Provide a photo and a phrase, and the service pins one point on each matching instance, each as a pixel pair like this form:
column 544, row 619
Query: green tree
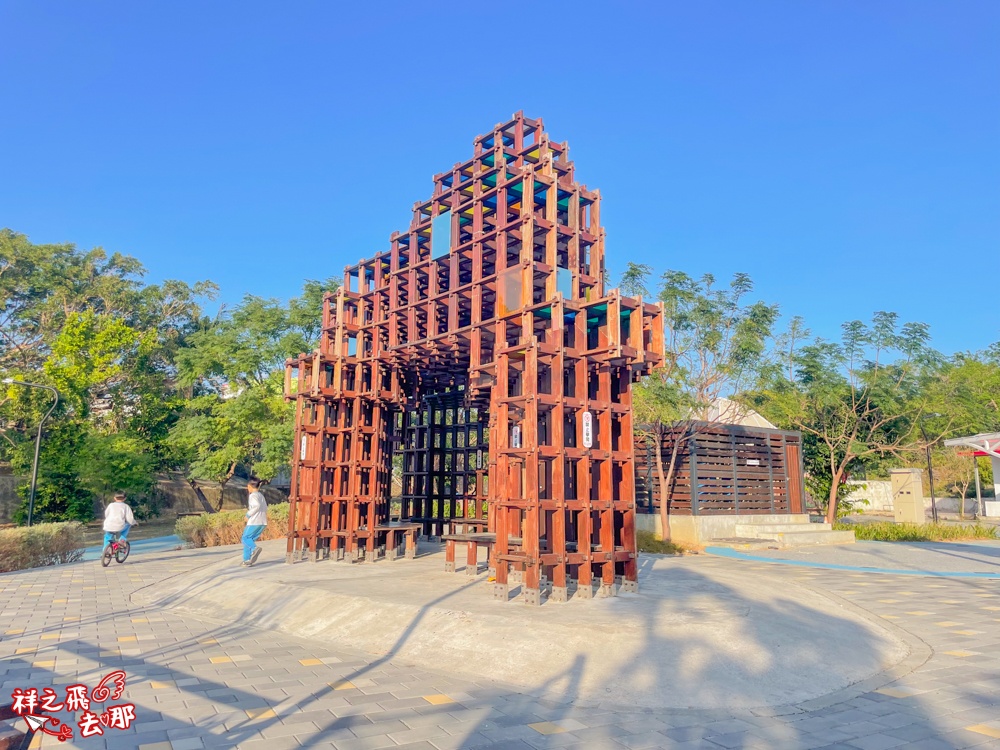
column 85, row 323
column 855, row 400
column 715, row 344
column 236, row 366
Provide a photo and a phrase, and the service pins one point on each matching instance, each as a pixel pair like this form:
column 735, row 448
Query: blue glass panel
column 352, row 346
column 441, row 235
column 564, row 282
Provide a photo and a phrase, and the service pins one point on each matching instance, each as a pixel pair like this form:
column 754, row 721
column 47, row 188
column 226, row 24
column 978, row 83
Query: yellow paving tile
column 438, row 700
column 143, row 619
column 967, row 632
column 919, row 613
column 220, row 660
column 989, row 609
column 58, row 601
column 126, row 638
column 71, row 619
column 261, row 713
column 947, row 624
column 342, row 685
column 50, row 637
column 961, row 653
column 25, row 650
column 546, row 727
column 45, row 663
column 157, row 685
column 208, row 641
column 989, row 731
column 884, row 601
column 18, row 632
column 312, row 662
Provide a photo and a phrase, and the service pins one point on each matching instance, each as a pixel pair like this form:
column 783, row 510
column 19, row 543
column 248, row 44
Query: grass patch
column 884, row 531
column 647, row 541
column 41, row 544
column 226, row 527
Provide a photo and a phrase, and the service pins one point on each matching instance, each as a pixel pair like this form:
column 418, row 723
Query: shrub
column 42, row 544
column 885, row 531
column 226, row 527
column 647, row 541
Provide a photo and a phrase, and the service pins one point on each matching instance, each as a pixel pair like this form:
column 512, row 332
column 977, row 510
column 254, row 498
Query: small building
column 724, row 473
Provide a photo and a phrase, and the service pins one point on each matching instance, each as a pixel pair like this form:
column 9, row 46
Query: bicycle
column 118, row 549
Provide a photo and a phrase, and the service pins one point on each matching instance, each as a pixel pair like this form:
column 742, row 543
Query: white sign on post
column 588, row 430
column 302, row 449
column 515, row 437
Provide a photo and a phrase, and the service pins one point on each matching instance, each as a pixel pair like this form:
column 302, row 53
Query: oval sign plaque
column 588, row 430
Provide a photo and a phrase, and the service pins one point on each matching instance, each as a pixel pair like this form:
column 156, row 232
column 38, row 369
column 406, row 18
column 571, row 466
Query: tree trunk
column 223, row 483
column 831, row 508
column 201, row 496
column 674, row 450
column 222, row 495
column 664, row 491
column 961, row 499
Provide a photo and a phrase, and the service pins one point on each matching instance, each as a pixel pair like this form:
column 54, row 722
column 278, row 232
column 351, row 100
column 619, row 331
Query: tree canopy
column 148, row 381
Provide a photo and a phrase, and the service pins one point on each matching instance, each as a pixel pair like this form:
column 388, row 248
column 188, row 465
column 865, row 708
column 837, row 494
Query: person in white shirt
column 118, row 519
column 256, row 517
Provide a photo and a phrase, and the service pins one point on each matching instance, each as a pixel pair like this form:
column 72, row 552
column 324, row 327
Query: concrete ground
column 695, row 636
column 974, row 559
column 197, row 682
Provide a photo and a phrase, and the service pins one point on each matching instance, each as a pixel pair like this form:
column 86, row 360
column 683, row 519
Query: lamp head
column 8, row 381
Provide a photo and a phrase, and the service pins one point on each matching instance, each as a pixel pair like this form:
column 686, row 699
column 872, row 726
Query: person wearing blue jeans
column 256, row 517
column 118, row 519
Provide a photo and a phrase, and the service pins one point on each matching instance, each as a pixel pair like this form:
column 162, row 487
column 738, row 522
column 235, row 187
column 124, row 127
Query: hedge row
column 226, row 527
column 42, row 544
column 886, row 531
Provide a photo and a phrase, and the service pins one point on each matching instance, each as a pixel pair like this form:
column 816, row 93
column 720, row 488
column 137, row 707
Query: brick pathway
column 198, row 684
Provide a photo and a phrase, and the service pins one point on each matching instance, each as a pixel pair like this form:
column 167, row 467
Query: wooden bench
column 395, row 533
column 466, row 526
column 473, row 542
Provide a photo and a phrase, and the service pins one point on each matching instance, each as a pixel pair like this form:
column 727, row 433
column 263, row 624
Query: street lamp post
column 38, row 439
column 930, row 466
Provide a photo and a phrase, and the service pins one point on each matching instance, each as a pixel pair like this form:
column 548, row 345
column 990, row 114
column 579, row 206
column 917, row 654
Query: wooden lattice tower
column 489, row 313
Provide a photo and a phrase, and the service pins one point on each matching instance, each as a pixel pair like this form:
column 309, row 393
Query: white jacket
column 256, row 510
column 117, row 515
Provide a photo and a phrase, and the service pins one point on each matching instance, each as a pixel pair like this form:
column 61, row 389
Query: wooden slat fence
column 722, row 469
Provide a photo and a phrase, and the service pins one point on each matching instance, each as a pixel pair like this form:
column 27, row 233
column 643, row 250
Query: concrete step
column 789, row 535
column 746, row 544
column 816, row 537
column 767, row 529
column 787, row 519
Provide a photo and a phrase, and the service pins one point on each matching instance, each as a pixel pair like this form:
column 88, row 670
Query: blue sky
column 844, row 154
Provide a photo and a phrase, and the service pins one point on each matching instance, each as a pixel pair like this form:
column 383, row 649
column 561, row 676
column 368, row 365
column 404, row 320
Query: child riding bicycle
column 118, row 519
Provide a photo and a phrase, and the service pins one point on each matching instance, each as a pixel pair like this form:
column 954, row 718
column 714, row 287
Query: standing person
column 256, row 516
column 118, row 519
